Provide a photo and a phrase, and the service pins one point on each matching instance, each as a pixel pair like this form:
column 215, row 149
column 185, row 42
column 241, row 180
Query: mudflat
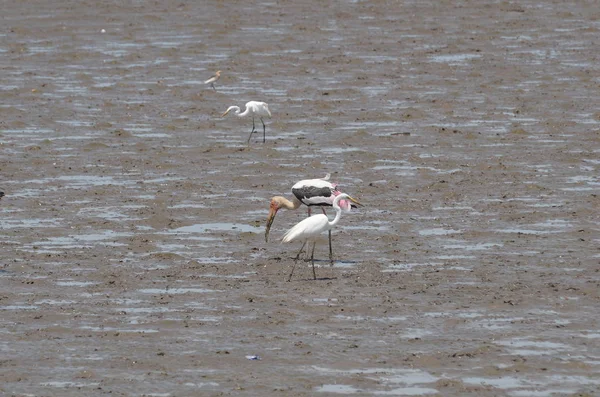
column 132, row 252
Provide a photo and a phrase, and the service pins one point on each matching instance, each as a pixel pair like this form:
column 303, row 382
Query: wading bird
column 309, row 229
column 254, row 109
column 310, row 192
column 213, row 80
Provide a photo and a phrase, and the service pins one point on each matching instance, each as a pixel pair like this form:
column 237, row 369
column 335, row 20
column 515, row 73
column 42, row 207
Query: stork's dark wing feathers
column 311, row 195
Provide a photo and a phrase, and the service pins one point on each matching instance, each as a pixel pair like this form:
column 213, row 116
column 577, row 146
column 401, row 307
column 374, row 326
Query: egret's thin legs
column 251, row 132
column 312, row 258
column 296, row 260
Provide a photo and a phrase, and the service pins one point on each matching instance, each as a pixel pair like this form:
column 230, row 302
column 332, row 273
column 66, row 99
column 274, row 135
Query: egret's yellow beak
column 355, row 201
column 225, row 114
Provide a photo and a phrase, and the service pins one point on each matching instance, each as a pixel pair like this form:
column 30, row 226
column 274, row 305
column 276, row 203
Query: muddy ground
column 132, row 250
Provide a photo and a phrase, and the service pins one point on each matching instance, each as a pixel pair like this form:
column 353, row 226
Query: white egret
column 213, row 79
column 254, row 109
column 309, row 229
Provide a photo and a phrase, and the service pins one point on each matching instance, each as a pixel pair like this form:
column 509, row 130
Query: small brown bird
column 213, row 79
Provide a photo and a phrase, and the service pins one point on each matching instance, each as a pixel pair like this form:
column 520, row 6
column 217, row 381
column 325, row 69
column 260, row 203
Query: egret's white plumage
column 310, row 228
column 254, row 109
column 213, row 79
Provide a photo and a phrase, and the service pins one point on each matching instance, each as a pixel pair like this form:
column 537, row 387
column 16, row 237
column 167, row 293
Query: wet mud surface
column 133, row 259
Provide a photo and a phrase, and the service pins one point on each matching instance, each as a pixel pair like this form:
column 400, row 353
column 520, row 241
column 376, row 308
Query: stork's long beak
column 270, row 220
